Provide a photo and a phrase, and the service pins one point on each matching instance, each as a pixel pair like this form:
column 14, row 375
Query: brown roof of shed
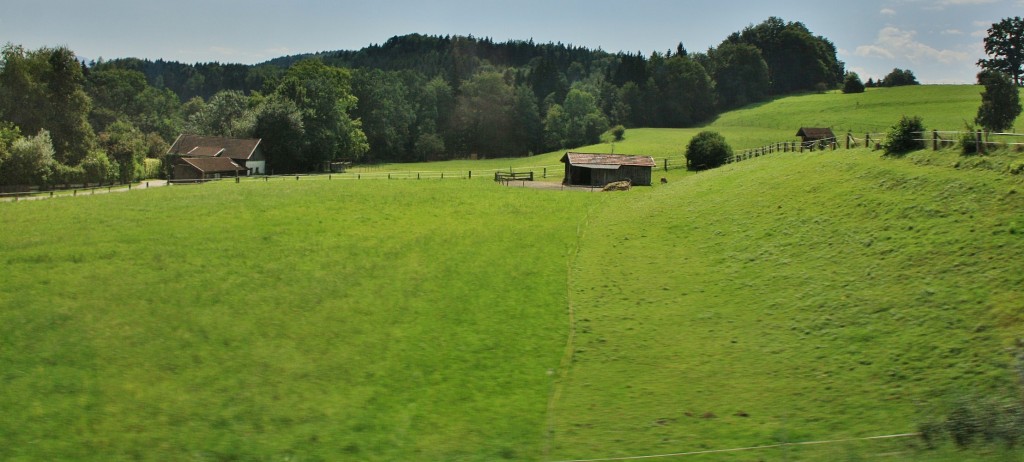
column 815, row 133
column 214, row 146
column 607, row 160
column 213, row 164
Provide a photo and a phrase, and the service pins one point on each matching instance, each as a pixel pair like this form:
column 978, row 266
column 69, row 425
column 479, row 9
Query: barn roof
column 606, row 161
column 214, row 146
column 814, row 133
column 213, row 164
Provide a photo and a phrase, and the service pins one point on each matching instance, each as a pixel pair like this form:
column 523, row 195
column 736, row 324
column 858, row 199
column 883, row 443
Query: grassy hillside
column 792, row 298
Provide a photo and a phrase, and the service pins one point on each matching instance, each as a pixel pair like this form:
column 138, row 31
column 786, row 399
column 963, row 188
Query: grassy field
column 303, row 320
column 790, row 298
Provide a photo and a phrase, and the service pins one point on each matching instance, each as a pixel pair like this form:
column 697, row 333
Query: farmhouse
column 809, row 134
column 583, row 169
column 206, row 168
column 245, row 153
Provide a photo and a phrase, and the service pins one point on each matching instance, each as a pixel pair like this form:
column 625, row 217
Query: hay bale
column 623, row 185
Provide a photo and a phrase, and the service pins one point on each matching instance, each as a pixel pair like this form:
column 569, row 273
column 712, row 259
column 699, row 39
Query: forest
column 412, row 98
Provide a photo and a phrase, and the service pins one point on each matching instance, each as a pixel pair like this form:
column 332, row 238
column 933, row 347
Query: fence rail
column 70, row 191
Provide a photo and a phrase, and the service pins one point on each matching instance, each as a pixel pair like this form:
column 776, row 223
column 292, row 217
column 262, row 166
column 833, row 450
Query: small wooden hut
column 810, row 134
column 582, row 169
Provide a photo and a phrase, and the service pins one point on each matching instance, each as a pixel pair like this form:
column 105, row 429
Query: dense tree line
column 412, row 98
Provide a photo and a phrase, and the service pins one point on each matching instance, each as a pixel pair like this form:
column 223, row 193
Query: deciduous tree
column 1000, row 102
column 740, row 73
column 1005, row 45
column 852, row 83
column 707, row 150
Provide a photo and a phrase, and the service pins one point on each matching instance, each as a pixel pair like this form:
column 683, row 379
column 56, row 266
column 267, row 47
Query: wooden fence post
column 981, row 146
column 935, row 140
column 470, row 174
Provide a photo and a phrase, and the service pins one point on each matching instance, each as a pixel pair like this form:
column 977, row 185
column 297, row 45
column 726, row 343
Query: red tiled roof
column 214, row 146
column 610, row 160
column 213, row 164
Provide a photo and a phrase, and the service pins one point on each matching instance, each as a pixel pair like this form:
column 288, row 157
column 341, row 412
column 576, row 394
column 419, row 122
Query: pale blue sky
column 940, row 40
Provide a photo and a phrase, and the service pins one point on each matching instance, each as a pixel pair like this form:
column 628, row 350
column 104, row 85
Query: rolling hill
column 787, row 299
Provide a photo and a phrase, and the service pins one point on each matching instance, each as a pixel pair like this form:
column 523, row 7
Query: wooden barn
column 206, row 168
column 809, row 134
column 583, row 169
column 243, row 152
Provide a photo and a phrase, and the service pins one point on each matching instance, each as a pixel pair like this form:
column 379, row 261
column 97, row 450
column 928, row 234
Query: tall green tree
column 113, row 92
column 681, row 92
column 797, row 59
column 126, row 145
column 324, row 97
column 220, row 115
column 1005, row 46
column 740, row 74
column 483, row 114
column 278, row 122
column 528, row 128
column 387, row 111
column 1000, row 102
column 44, row 89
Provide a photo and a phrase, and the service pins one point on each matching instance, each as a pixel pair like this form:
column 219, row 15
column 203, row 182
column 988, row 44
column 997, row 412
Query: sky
column 939, row 40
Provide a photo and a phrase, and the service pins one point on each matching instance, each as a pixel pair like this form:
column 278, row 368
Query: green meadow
column 791, row 298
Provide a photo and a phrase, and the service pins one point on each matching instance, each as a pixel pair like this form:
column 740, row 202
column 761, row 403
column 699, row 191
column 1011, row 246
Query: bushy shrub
column 618, row 132
column 905, row 136
column 852, row 83
column 64, row 174
column 97, row 168
column 975, row 419
column 969, row 141
column 151, row 169
column 707, row 150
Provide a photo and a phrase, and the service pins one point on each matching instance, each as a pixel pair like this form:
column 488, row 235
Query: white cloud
column 952, row 32
column 896, row 44
column 888, row 12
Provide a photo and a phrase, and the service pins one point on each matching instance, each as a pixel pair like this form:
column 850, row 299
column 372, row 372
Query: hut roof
column 212, row 164
column 214, row 146
column 812, row 133
column 606, row 161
